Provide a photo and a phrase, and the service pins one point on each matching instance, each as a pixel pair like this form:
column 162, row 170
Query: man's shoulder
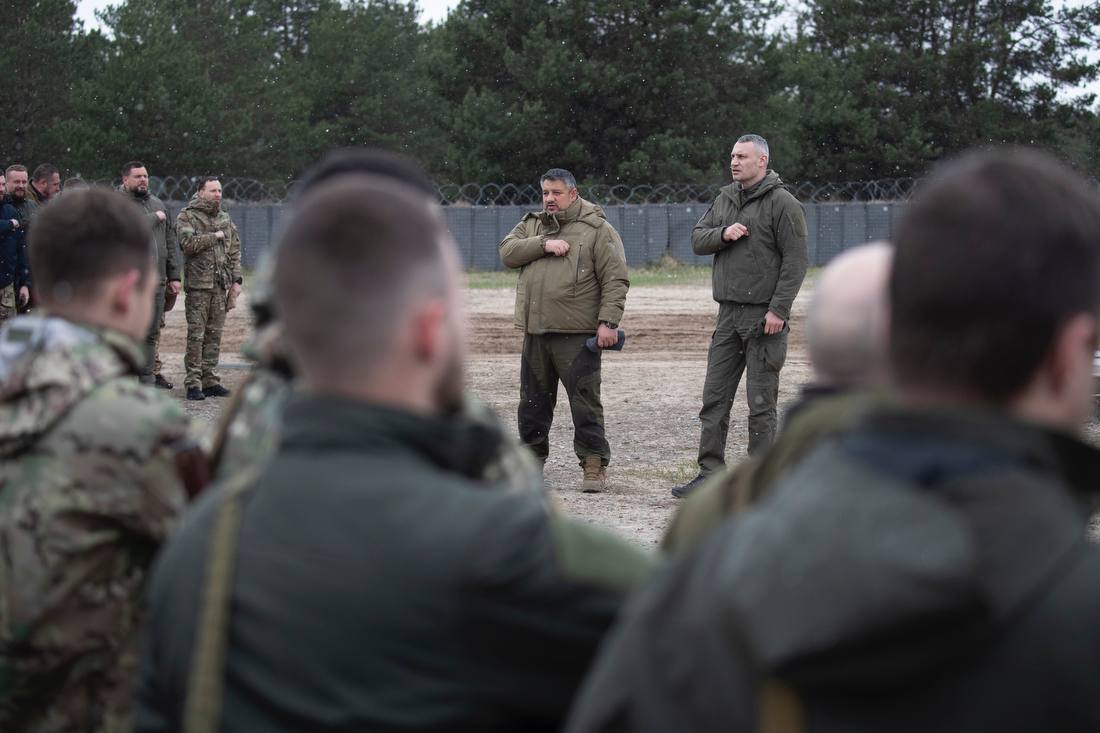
column 123, row 414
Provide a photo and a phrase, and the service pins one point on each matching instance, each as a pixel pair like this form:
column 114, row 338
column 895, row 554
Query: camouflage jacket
column 88, row 492
column 164, row 234
column 209, row 262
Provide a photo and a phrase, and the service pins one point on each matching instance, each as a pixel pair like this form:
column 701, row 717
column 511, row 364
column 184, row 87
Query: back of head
column 847, row 324
column 345, row 161
column 997, row 252
column 356, row 253
column 84, row 238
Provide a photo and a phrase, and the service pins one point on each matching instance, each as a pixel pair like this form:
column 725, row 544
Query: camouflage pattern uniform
column 211, row 266
column 88, row 492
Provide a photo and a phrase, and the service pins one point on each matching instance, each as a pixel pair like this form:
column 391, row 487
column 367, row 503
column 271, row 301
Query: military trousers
column 739, row 343
column 205, row 311
column 7, row 302
column 561, row 357
column 152, row 339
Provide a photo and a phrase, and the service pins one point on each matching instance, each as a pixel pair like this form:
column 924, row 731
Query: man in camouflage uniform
column 212, row 282
column 135, row 182
column 572, row 287
column 89, row 479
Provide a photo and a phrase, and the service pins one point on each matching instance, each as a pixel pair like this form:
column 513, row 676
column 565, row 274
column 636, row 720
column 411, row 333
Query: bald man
column 848, row 334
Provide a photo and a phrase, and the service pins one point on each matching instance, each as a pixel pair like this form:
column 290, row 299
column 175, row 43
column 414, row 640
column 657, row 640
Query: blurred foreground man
column 368, row 578
column 135, row 182
column 572, row 287
column 927, row 570
column 212, row 282
column 88, row 471
column 847, row 334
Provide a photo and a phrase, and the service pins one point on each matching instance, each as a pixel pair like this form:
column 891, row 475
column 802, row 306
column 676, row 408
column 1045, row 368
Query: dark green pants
column 738, row 344
column 153, row 337
column 548, row 359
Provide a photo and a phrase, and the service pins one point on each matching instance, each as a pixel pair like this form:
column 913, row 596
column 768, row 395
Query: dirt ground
column 651, row 395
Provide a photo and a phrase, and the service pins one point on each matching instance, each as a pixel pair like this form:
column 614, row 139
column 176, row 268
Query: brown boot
column 595, row 475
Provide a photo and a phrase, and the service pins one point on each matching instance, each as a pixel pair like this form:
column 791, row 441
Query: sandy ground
column 651, row 395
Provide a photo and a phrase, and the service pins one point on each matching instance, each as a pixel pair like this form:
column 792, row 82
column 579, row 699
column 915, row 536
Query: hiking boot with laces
column 684, row 489
column 595, row 475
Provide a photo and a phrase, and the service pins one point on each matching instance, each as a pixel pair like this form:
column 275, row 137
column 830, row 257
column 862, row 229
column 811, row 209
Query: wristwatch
column 610, row 325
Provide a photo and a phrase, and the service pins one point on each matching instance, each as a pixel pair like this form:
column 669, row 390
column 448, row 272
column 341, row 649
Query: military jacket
column 569, row 294
column 88, row 491
column 164, row 235
column 209, row 262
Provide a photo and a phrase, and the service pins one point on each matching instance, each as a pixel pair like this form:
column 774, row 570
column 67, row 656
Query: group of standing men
column 210, row 274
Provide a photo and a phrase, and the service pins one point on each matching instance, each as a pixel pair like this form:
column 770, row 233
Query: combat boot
column 595, row 475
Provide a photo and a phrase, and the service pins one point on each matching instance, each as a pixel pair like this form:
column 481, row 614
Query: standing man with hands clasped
column 572, row 284
column 756, row 230
column 212, row 281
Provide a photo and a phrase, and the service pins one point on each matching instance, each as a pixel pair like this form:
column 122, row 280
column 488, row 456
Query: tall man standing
column 756, row 231
column 135, row 182
column 45, row 183
column 572, row 285
column 212, row 282
column 17, row 181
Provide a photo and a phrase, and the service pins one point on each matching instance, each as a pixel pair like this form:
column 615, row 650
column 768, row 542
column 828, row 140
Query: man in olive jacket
column 572, row 286
column 212, row 282
column 135, row 183
column 372, row 576
column 756, row 231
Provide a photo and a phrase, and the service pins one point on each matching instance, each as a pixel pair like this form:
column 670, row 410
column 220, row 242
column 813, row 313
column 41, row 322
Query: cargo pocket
column 773, row 350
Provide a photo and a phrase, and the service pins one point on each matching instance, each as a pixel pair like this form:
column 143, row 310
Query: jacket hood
column 580, row 210
column 203, row 206
column 919, row 536
column 769, row 182
column 47, row 365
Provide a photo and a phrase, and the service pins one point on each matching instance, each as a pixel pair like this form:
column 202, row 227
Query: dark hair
column 559, row 174
column 72, row 184
column 44, row 171
column 373, row 245
column 205, row 180
column 84, row 237
column 15, row 167
column 364, row 160
column 130, row 166
column 997, row 252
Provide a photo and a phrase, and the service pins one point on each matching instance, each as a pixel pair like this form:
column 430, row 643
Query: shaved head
column 848, row 324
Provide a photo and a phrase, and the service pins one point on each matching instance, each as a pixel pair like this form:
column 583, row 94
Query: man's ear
column 122, row 289
column 1071, row 351
column 428, row 326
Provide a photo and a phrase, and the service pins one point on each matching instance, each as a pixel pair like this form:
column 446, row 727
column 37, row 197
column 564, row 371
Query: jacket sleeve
column 171, row 243
column 191, row 242
column 790, row 238
column 545, row 587
column 234, row 253
column 520, row 248
column 706, row 235
column 612, row 273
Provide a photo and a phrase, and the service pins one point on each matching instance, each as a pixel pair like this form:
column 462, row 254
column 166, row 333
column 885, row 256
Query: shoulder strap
column 206, row 683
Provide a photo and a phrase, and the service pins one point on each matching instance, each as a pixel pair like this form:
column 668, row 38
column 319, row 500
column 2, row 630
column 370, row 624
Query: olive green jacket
column 164, row 234
column 209, row 262
column 765, row 267
column 569, row 294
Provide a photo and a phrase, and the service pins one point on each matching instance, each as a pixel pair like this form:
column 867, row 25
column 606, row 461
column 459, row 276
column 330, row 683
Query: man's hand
column 24, row 295
column 160, row 215
column 174, row 287
column 219, row 234
column 231, row 301
column 556, row 247
column 734, row 232
column 773, row 324
column 14, row 223
column 606, row 337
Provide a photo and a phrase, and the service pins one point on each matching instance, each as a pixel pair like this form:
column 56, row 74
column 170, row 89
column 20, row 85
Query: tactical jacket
column 209, row 262
column 924, row 571
column 13, row 249
column 379, row 583
column 765, row 267
column 88, row 491
column 569, row 294
column 164, row 234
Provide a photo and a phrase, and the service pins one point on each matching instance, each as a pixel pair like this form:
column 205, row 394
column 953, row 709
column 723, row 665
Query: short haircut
column 44, row 172
column 760, row 143
column 559, row 174
column 15, row 168
column 364, row 160
column 996, row 253
column 205, row 180
column 357, row 252
column 73, row 184
column 130, row 166
column 85, row 237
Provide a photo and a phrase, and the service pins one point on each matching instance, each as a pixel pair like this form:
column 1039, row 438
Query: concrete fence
column 649, row 231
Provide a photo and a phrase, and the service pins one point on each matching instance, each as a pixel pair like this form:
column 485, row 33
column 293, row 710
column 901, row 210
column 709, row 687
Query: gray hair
column 559, row 174
column 760, row 143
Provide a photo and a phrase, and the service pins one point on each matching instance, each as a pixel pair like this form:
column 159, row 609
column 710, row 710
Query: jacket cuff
column 783, row 311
